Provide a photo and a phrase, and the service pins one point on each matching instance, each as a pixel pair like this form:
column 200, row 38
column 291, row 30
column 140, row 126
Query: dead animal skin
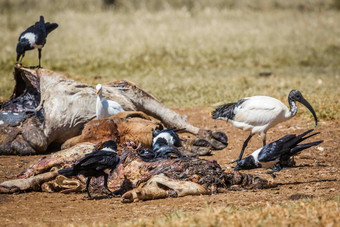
column 63, row 106
column 124, row 126
column 200, row 176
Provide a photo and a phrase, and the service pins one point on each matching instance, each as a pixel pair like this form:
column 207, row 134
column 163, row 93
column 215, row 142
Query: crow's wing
column 177, row 140
column 93, row 157
column 274, row 150
column 30, row 29
column 270, row 152
column 108, row 162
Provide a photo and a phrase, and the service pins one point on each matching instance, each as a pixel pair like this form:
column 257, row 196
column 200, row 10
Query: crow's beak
column 306, row 104
column 18, row 57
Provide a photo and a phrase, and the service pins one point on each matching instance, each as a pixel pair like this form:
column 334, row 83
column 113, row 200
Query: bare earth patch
column 315, row 176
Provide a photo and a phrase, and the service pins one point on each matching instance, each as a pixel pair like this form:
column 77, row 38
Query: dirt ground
column 316, row 175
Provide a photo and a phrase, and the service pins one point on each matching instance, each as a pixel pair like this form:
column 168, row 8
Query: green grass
column 192, row 55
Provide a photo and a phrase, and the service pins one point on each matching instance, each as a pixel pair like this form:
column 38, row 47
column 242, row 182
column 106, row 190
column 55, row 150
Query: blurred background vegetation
column 187, row 52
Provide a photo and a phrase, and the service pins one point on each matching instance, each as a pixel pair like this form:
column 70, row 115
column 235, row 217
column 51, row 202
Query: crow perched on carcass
column 164, row 145
column 95, row 164
column 169, row 135
column 34, row 37
column 160, row 150
column 273, row 154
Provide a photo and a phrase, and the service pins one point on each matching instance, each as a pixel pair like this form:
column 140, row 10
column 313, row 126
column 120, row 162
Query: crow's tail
column 67, row 172
column 301, row 147
column 50, row 27
column 292, row 142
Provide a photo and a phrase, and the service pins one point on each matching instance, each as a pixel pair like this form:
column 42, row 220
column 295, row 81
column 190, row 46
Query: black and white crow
column 34, row 37
column 271, row 155
column 169, row 135
column 162, row 149
column 95, row 164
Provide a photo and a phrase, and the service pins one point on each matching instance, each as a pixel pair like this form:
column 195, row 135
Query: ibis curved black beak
column 306, row 104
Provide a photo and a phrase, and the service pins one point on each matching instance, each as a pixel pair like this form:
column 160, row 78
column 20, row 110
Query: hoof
column 201, row 143
column 219, row 140
column 127, row 197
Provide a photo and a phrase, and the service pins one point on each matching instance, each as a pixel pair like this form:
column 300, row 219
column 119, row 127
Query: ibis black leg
column 39, row 51
column 87, row 187
column 243, row 148
column 264, row 142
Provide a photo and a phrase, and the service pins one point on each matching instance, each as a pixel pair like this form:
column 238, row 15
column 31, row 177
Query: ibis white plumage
column 106, row 108
column 257, row 114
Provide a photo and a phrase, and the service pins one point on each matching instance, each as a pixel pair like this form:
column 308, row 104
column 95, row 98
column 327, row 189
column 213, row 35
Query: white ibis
column 257, row 114
column 271, row 155
column 106, row 108
column 34, row 37
column 94, row 164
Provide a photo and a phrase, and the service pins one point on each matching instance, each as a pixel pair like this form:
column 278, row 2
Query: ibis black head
column 110, row 145
column 296, row 95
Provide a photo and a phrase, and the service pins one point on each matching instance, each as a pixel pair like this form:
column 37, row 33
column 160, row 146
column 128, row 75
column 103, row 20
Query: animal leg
column 150, row 105
column 243, row 148
column 160, row 186
column 39, row 53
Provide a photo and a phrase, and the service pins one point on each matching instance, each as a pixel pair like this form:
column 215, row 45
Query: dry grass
column 189, row 57
column 190, row 53
column 306, row 212
column 316, row 212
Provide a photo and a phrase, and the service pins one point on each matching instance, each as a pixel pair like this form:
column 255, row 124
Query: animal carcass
column 48, row 108
column 134, row 179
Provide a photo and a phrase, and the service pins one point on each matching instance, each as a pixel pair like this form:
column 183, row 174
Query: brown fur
column 124, row 126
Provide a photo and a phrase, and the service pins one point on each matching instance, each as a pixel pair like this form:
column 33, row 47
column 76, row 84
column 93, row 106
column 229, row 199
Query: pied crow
column 94, row 164
column 169, row 135
column 34, row 37
column 273, row 154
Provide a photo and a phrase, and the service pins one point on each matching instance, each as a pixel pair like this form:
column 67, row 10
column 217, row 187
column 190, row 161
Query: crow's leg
column 39, row 53
column 243, row 148
column 106, row 176
column 87, row 187
column 276, row 168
